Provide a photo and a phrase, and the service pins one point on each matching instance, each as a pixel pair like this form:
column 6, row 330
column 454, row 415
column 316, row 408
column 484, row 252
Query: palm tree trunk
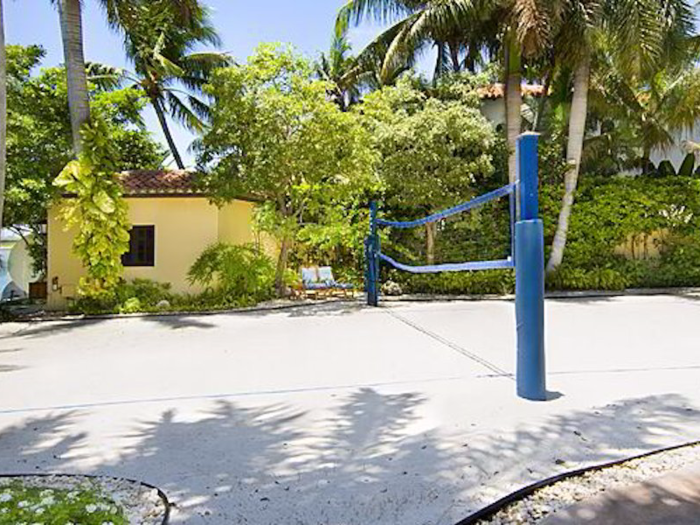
column 430, row 231
column 513, row 101
column 166, row 131
column 440, row 62
column 454, row 55
column 542, row 103
column 574, row 148
column 78, row 102
column 3, row 113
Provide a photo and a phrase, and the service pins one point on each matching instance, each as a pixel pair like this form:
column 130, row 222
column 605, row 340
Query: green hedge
column 606, row 213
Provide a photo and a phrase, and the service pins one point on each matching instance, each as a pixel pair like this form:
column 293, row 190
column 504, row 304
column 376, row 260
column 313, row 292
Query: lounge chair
column 311, row 284
column 325, row 274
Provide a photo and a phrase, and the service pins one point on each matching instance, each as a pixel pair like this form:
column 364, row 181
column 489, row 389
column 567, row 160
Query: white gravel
column 142, row 505
column 560, row 495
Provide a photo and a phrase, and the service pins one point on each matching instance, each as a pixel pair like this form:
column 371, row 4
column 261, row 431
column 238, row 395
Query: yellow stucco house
column 172, row 223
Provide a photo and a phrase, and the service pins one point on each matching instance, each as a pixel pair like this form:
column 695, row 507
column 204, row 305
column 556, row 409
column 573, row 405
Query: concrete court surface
column 340, row 414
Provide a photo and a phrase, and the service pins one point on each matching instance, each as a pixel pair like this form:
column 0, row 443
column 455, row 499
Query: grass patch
column 84, row 505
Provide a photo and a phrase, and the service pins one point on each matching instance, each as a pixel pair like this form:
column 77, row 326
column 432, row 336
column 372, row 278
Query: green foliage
column 87, row 506
column 39, row 137
column 234, row 275
column 275, row 134
column 492, row 282
column 97, row 211
column 139, row 295
column 433, row 152
column 610, row 212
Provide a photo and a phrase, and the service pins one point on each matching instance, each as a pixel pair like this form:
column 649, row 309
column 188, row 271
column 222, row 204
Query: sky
column 242, row 25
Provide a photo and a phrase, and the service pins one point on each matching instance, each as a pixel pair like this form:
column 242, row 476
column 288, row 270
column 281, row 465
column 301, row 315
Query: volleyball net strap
column 453, row 267
column 449, row 267
column 477, row 201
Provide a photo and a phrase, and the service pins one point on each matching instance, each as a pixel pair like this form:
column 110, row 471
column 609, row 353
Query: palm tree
column 351, row 76
column 3, row 112
column 166, row 69
column 641, row 35
column 517, row 27
column 72, row 33
column 341, row 70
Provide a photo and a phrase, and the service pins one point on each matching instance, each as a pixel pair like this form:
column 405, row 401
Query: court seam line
column 452, row 345
column 254, row 393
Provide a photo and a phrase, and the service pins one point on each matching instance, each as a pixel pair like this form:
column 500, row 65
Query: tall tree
column 39, row 141
column 3, row 112
column 72, row 33
column 519, row 28
column 643, row 36
column 70, row 14
column 167, row 69
column 340, row 69
column 433, row 152
column 274, row 134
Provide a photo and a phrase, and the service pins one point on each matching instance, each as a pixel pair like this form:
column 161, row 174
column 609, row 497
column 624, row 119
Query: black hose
column 495, row 507
column 163, row 497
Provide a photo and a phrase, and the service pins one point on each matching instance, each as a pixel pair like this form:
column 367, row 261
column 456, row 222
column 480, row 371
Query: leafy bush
column 234, row 275
column 491, row 282
column 149, row 293
column 139, row 295
column 97, row 211
column 610, row 211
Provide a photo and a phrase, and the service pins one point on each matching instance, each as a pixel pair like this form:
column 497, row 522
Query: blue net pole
column 372, row 249
column 529, row 277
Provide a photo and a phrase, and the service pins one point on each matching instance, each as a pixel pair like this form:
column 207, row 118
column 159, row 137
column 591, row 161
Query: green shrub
column 148, row 293
column 138, row 295
column 233, row 275
column 491, row 282
column 607, row 212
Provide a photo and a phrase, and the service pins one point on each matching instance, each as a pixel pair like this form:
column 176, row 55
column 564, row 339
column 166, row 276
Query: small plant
column 234, row 275
column 148, row 293
column 25, row 504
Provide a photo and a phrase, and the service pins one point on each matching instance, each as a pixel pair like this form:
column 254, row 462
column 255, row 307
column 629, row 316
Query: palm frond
column 182, row 113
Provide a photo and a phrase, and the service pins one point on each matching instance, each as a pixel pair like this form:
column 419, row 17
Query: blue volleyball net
column 525, row 255
column 374, row 251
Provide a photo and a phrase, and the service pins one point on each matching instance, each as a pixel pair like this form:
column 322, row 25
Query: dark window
column 141, row 247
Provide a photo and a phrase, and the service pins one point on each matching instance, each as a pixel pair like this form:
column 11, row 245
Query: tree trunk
column 3, row 114
column 440, row 61
column 78, row 102
column 166, row 131
column 454, row 55
column 513, row 101
column 542, row 104
column 430, row 231
column 574, row 148
column 280, row 286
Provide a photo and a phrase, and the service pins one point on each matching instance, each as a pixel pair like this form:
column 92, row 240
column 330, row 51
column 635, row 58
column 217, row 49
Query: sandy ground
column 346, row 415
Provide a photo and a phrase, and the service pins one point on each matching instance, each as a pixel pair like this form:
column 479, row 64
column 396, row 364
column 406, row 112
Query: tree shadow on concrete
column 367, row 457
column 38, row 329
column 180, row 321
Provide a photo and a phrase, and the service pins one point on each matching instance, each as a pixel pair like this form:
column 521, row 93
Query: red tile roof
column 494, row 91
column 159, row 182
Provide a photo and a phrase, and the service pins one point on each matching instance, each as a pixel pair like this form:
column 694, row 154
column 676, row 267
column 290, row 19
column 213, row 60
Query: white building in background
column 683, row 144
column 15, row 266
column 493, row 107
